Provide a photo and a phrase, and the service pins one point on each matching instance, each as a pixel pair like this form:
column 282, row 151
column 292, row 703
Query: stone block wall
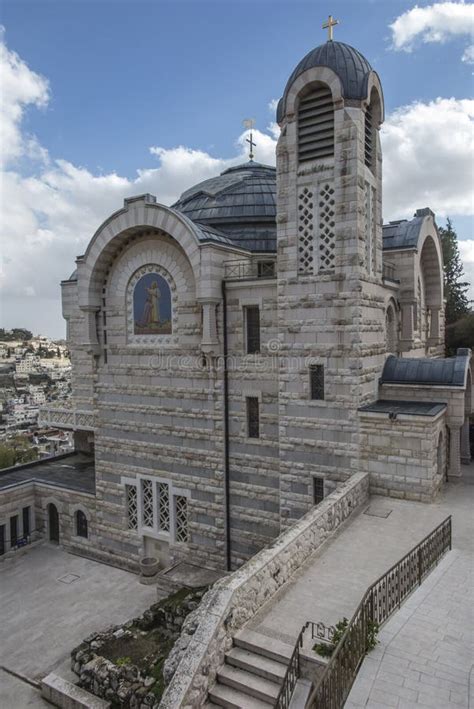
column 12, row 502
column 208, row 631
column 401, row 455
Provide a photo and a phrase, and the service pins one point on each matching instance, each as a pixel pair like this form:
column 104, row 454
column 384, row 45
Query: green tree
column 455, row 289
column 460, row 334
column 16, row 451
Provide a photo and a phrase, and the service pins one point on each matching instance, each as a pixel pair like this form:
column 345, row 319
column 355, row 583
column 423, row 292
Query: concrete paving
column 425, row 657
column 50, row 601
column 332, row 582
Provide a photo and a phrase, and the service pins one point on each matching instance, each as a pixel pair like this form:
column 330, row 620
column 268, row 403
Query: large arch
column 114, row 234
column 431, row 270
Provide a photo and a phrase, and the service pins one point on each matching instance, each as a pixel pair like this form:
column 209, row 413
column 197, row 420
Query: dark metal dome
column 350, row 65
column 241, row 203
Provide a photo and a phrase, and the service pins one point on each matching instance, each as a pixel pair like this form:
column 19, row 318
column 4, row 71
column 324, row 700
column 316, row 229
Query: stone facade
column 180, row 473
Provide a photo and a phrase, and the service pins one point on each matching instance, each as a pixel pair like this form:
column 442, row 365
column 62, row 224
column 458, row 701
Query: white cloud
column 468, row 56
column 427, row 151
column 466, row 249
column 20, row 87
column 433, row 23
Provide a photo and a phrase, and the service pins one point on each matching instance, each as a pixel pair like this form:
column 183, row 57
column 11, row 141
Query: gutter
column 226, row 433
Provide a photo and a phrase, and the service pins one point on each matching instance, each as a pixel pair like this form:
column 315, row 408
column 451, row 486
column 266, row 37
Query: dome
column 351, row 67
column 240, row 203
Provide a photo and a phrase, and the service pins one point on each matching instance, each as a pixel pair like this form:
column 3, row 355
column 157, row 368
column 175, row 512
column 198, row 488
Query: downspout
column 226, row 432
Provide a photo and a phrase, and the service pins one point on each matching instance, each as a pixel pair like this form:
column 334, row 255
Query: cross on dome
column 249, row 123
column 329, row 25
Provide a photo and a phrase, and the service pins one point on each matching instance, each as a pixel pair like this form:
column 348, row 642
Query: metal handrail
column 379, row 602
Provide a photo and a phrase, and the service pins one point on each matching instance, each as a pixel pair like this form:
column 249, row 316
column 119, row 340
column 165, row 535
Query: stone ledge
column 64, row 694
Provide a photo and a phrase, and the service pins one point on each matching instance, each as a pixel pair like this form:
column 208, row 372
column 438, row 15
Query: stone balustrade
column 65, row 417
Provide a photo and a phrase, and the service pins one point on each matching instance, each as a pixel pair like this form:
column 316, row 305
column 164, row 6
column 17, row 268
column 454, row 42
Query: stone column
column 90, row 331
column 209, row 341
column 454, row 451
column 465, row 443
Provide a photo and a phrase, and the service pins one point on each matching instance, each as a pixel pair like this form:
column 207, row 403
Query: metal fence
column 381, row 599
column 242, row 270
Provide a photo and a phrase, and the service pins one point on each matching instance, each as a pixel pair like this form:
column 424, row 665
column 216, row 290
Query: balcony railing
column 243, row 270
column 67, row 418
column 380, row 601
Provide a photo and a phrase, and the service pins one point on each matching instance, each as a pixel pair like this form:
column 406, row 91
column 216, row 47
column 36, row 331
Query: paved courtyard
column 50, row 601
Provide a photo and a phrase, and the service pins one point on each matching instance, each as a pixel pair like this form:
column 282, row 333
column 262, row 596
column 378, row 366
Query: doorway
column 53, row 523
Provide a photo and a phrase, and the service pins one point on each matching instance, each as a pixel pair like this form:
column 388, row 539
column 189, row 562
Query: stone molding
column 208, row 631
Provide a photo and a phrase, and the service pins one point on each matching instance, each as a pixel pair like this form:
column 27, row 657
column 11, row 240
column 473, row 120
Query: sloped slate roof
column 348, row 63
column 404, row 234
column 423, row 370
column 410, row 408
column 240, row 203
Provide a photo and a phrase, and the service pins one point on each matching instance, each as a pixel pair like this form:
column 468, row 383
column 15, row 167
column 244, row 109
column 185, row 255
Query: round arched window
column 81, row 524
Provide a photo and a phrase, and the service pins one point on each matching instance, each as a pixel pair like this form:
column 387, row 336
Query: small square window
column 253, row 417
column 252, row 324
column 316, row 380
column 318, row 490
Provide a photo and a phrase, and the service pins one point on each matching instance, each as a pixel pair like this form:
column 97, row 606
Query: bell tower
column 329, row 240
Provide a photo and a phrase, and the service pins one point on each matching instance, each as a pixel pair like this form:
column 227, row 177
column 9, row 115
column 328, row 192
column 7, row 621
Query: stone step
column 260, row 665
column 261, row 645
column 250, row 684
column 225, row 696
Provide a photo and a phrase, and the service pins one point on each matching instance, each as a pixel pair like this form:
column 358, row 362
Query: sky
column 104, row 99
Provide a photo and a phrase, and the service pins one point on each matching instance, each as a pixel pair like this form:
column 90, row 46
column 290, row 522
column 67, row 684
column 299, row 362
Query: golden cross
column 329, row 26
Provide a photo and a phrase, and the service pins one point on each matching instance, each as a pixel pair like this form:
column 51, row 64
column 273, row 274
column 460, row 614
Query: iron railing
column 242, row 270
column 380, row 601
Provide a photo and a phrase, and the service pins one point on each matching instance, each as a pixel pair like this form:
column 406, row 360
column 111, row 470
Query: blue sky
column 123, row 77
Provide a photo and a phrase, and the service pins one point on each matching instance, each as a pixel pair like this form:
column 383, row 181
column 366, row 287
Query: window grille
column 265, row 269
column 305, row 231
column 316, row 372
column 26, row 521
column 316, row 125
column 181, row 503
column 318, row 490
column 252, row 317
column 164, row 507
column 326, row 226
column 132, row 509
column 253, row 419
column 147, row 503
column 369, row 138
column 81, row 524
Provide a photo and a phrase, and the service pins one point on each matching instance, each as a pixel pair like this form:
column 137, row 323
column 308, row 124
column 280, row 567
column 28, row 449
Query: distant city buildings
column 33, row 372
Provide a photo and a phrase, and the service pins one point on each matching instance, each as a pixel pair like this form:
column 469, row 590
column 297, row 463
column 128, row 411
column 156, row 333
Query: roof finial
column 249, row 124
column 329, row 25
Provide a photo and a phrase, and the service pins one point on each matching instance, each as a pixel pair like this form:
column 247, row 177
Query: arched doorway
column 53, row 523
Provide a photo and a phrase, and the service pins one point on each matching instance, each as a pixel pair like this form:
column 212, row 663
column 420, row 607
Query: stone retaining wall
column 207, row 632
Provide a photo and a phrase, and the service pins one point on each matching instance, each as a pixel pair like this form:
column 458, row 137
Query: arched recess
column 114, row 235
column 431, row 280
column 391, row 328
column 372, row 120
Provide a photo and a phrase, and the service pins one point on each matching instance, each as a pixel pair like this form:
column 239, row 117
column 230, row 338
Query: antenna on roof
column 249, row 124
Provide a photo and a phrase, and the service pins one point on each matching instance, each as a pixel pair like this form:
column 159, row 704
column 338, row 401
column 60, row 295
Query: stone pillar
column 454, row 451
column 407, row 329
column 209, row 341
column 465, row 443
column 90, row 339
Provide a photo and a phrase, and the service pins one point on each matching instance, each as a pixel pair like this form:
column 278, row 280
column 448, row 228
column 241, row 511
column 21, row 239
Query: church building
column 239, row 354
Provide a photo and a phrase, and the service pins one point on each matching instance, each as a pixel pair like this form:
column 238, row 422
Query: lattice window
column 132, row 506
column 252, row 322
column 164, row 507
column 305, row 231
column 326, row 225
column 253, row 417
column 368, row 228
column 147, row 503
column 369, row 138
column 181, row 503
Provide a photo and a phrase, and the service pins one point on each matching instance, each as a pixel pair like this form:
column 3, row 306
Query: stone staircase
column 252, row 674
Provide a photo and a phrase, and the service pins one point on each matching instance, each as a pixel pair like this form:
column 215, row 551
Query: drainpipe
column 226, row 432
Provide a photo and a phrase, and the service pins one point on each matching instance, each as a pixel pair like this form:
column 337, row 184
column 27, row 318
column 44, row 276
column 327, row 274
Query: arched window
column 81, row 524
column 373, row 115
column 391, row 335
column 316, row 124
